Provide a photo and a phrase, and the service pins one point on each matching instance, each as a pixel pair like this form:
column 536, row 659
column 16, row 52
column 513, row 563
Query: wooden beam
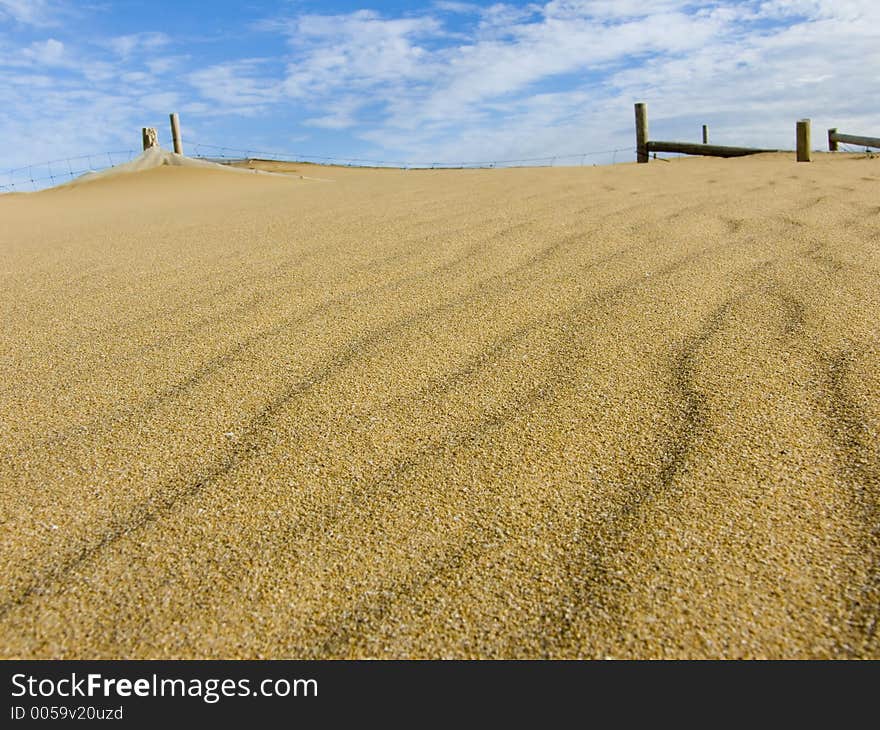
column 803, row 140
column 854, row 139
column 709, row 150
column 832, row 139
column 642, row 132
column 175, row 134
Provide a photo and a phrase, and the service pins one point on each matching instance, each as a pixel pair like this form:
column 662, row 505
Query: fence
column 645, row 146
column 38, row 176
column 47, row 174
column 54, row 172
column 835, row 138
column 232, row 154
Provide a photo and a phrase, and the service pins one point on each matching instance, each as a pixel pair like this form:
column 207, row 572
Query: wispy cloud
column 239, row 86
column 31, row 12
column 369, row 51
column 454, row 80
column 45, row 53
column 126, row 45
column 485, row 89
column 449, row 6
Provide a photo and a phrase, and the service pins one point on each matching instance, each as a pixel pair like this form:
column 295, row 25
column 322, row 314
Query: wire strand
column 36, row 176
column 240, row 154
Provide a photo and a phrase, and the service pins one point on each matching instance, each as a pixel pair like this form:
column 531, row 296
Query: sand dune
column 630, row 411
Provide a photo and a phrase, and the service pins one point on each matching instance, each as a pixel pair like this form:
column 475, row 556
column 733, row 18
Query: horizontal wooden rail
column 709, row 150
column 834, row 137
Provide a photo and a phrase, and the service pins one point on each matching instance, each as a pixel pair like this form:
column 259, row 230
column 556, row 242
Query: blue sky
column 432, row 81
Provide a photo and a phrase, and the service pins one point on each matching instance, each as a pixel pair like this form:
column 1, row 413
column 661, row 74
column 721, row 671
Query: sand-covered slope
column 155, row 157
column 630, row 411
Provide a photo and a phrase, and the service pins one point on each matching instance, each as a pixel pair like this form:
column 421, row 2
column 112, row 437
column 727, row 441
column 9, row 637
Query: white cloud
column 762, row 63
column 463, row 81
column 357, row 51
column 458, row 7
column 341, row 114
column 126, row 45
column 32, row 12
column 238, row 85
column 45, row 53
column 510, row 52
column 613, row 10
column 52, row 91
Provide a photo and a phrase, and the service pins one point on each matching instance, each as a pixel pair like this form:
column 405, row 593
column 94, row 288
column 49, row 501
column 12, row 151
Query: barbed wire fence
column 40, row 175
column 853, row 148
column 37, row 176
column 54, row 172
column 232, row 154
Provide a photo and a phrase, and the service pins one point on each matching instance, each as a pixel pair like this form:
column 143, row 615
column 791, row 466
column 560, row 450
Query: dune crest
column 155, row 157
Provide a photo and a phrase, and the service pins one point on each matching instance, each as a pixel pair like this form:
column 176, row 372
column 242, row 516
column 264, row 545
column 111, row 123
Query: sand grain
column 630, row 411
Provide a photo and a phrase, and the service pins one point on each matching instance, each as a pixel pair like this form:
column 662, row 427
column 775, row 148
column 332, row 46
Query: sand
column 628, row 411
column 155, row 157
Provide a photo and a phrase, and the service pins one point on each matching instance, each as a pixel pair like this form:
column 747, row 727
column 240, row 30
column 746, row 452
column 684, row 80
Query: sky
column 441, row 81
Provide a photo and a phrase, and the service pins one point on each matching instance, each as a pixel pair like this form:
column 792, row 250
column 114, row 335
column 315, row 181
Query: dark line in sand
column 858, row 466
column 421, row 577
column 855, row 462
column 250, row 441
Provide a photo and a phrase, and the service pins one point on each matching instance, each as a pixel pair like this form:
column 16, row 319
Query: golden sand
column 630, row 411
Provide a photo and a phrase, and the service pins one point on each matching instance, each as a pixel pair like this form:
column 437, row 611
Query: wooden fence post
column 803, row 140
column 150, row 137
column 832, row 140
column 175, row 134
column 856, row 139
column 642, row 132
column 705, row 134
